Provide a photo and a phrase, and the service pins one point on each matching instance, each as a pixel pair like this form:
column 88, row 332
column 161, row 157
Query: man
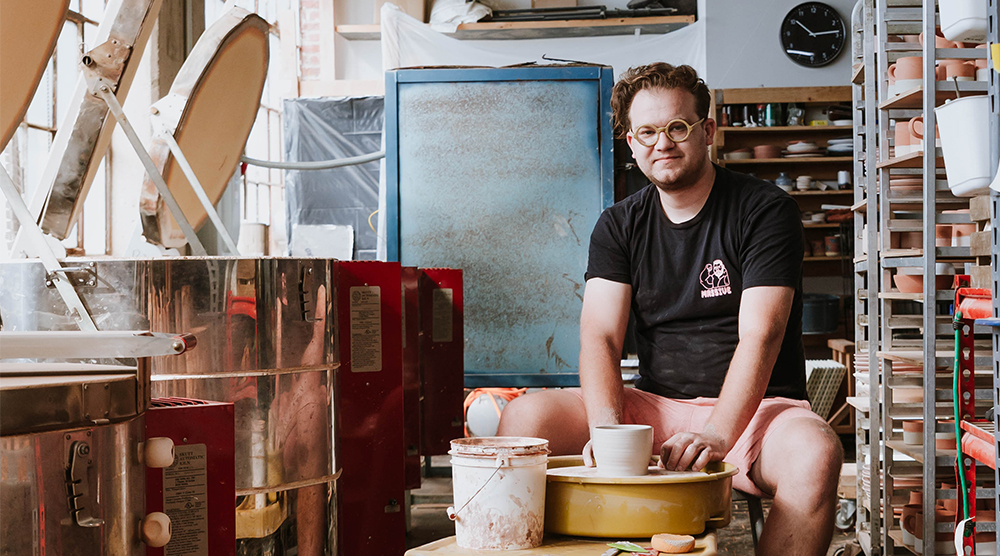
column 710, row 263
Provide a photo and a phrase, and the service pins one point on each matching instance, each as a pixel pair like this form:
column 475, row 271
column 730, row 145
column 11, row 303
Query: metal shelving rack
column 888, row 330
column 868, row 427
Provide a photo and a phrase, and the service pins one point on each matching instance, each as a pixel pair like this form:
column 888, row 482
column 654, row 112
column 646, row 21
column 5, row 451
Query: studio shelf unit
column 905, row 347
column 729, row 138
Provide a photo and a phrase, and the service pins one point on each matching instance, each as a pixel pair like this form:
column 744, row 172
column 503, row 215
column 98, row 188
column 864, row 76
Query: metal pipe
column 317, row 165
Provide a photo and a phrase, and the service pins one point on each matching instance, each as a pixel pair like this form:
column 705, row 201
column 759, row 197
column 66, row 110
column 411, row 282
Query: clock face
column 813, row 34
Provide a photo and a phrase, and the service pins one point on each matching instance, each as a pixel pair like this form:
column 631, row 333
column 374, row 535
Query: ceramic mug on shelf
column 622, row 450
column 907, row 67
column 917, row 134
column 940, row 42
column 902, row 136
column 963, row 70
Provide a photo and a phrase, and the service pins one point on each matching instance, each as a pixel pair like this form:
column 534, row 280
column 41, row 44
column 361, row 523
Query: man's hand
column 690, row 450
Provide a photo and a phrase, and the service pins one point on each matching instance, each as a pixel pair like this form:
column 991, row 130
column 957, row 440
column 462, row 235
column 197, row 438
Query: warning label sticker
column 185, row 501
column 366, row 329
column 441, row 314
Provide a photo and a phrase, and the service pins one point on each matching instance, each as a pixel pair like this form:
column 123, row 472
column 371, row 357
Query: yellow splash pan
column 579, row 503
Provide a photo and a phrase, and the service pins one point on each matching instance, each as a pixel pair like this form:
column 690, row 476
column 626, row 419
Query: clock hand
column 826, row 32
column 799, row 23
column 800, row 52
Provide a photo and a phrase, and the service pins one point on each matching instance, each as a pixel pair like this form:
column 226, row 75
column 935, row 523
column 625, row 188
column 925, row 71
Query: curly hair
column 658, row 75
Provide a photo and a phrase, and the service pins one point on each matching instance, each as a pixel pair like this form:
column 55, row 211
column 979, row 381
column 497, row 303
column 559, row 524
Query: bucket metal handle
column 503, row 460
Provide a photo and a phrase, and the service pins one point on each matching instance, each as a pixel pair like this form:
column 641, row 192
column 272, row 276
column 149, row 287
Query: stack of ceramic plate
column 840, row 147
column 802, row 149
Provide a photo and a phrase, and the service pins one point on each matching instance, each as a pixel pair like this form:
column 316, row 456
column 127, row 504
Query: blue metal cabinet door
column 503, row 173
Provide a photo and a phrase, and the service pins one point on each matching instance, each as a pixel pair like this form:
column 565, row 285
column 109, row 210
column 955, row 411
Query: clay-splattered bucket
column 499, row 486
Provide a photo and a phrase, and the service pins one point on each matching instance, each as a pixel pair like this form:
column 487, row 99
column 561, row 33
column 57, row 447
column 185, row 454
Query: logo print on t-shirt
column 714, row 280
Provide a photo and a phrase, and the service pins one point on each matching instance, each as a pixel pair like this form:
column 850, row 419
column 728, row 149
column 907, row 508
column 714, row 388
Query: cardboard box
column 553, row 3
column 412, row 8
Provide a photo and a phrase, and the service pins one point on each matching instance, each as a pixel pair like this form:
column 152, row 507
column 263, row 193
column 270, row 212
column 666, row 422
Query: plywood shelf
column 824, row 259
column 914, row 98
column 809, row 159
column 784, row 128
column 912, row 160
column 813, row 193
column 512, row 30
column 917, row 452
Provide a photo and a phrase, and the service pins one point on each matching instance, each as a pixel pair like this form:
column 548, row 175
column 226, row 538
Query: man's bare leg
column 555, row 415
column 800, row 463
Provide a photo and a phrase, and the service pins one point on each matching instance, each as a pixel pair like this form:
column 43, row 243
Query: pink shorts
column 670, row 416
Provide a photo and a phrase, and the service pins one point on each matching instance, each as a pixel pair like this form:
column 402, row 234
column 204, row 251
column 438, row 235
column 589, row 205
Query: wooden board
column 29, row 30
column 783, row 94
column 219, row 88
column 502, row 30
column 705, row 544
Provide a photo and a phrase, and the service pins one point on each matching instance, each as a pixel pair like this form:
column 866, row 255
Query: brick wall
column 309, row 39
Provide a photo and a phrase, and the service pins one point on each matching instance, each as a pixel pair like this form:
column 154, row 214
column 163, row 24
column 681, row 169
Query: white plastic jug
column 965, row 140
column 963, row 20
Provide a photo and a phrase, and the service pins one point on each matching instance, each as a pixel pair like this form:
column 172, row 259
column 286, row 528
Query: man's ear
column 710, row 131
column 629, row 139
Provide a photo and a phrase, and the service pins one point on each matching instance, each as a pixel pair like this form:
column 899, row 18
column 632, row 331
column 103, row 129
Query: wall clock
column 813, row 34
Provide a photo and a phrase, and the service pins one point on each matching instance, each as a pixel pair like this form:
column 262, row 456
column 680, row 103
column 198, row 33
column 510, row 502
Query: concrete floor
column 429, row 522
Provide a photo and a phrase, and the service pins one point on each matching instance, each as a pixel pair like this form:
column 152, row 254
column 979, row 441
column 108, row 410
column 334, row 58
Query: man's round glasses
column 677, row 130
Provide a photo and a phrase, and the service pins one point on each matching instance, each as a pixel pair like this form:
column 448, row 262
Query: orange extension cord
column 505, row 393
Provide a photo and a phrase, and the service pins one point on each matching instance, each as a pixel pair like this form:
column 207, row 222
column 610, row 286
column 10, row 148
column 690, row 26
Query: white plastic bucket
column 965, row 140
column 499, row 488
column 963, row 20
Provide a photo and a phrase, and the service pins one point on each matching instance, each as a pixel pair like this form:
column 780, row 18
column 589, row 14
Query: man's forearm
column 744, row 387
column 600, row 381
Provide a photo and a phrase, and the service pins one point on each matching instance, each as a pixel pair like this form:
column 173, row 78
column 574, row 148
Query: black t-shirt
column 687, row 280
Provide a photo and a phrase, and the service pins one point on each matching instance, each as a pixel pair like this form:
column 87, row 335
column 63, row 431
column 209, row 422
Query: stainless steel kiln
column 266, row 343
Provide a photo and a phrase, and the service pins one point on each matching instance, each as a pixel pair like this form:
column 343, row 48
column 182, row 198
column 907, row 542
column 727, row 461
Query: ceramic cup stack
column 622, row 450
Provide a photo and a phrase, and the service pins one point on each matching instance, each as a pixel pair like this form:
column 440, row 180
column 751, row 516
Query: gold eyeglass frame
column 659, row 130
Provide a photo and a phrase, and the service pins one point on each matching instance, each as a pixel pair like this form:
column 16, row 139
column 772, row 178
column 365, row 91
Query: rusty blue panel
column 502, row 173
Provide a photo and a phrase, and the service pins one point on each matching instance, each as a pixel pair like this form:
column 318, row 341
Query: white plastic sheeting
column 407, row 42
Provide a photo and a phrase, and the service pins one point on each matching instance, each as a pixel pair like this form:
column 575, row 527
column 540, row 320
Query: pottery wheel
column 655, row 475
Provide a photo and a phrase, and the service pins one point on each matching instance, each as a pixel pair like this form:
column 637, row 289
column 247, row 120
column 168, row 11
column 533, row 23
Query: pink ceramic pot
column 940, row 42
column 902, row 136
column 917, row 134
column 907, row 67
column 950, row 504
column 767, row 151
column 964, row 70
column 942, row 235
column 981, row 64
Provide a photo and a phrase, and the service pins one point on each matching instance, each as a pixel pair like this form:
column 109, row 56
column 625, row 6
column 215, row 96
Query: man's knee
column 525, row 415
column 810, row 457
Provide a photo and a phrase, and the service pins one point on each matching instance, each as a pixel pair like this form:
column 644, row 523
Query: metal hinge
column 79, row 487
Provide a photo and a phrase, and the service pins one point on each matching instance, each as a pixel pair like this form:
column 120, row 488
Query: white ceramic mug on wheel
column 622, row 450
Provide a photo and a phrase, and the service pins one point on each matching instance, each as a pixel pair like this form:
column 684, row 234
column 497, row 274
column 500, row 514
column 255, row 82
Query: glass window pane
column 250, row 198
column 40, row 109
column 33, row 158
column 263, row 204
column 94, row 213
column 257, row 147
column 67, row 70
column 92, row 9
column 275, row 151
column 89, row 33
column 70, row 241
